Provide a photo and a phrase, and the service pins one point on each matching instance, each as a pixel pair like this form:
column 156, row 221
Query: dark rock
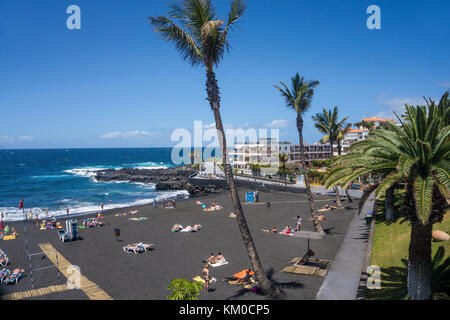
column 175, row 178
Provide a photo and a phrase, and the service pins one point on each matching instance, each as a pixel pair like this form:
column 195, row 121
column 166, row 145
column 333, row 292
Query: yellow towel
column 199, row 279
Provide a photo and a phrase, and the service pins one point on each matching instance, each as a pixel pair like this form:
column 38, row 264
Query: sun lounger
column 4, row 273
column 14, row 277
column 4, row 260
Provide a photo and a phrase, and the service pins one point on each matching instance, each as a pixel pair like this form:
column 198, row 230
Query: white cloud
column 25, row 138
column 282, row 123
column 443, row 84
column 5, row 138
column 136, row 134
column 396, row 104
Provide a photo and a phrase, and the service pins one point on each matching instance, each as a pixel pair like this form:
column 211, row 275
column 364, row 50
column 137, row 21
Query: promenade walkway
column 343, row 278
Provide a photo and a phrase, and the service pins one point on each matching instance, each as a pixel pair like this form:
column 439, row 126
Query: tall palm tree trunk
column 390, row 204
column 336, row 189
column 339, row 149
column 265, row 284
column 419, row 262
column 347, row 195
column 317, row 226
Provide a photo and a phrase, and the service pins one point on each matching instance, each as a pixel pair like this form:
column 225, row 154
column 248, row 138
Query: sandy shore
column 179, row 255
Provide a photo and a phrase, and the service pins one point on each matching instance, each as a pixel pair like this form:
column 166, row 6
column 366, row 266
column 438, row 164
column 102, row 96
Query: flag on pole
column 21, row 204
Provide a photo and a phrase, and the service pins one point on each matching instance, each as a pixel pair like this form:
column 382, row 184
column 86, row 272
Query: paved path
column 342, row 280
column 34, row 293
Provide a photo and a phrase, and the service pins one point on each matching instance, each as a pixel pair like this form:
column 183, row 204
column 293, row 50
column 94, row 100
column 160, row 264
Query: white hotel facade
column 266, row 150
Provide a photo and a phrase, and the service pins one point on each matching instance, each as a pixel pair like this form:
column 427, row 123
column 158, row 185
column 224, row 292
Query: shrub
column 183, row 289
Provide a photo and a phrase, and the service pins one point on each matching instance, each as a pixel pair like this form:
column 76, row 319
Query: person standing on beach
column 154, row 203
column 299, row 223
column 164, row 202
column 205, row 273
column 173, row 201
column 67, row 210
column 101, row 205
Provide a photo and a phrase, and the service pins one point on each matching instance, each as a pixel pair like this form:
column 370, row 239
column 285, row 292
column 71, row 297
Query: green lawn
column 390, row 253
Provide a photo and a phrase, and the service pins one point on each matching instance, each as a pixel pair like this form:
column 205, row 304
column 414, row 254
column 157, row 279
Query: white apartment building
column 354, row 135
column 317, row 151
column 265, row 152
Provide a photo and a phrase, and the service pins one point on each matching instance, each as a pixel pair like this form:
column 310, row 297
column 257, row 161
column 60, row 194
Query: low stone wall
column 222, row 184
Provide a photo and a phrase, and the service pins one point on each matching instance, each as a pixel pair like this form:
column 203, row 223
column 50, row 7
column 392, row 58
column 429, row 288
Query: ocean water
column 56, row 179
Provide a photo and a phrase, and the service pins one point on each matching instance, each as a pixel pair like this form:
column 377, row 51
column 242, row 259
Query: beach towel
column 218, row 264
column 190, row 229
column 138, row 219
column 247, row 285
column 200, row 279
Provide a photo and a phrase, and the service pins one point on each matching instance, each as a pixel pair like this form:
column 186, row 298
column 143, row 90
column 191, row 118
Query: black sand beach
column 179, row 255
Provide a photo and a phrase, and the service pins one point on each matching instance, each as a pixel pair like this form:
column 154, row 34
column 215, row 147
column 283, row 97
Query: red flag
column 21, row 204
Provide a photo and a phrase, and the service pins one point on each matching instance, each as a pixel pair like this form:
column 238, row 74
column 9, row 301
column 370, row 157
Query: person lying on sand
column 212, row 259
column 273, row 230
column 319, row 218
column 246, row 278
column 220, row 257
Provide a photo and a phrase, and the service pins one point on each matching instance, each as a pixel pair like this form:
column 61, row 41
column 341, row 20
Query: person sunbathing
column 212, row 259
column 287, row 230
column 16, row 275
column 143, row 246
column 273, row 230
column 220, row 258
column 246, row 278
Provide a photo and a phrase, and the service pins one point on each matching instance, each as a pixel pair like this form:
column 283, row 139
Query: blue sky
column 116, row 83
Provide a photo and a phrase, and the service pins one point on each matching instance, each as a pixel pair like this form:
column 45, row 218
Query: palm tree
column 283, row 158
column 416, row 155
column 340, row 138
column 201, row 38
column 327, row 123
column 299, row 98
column 255, row 168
